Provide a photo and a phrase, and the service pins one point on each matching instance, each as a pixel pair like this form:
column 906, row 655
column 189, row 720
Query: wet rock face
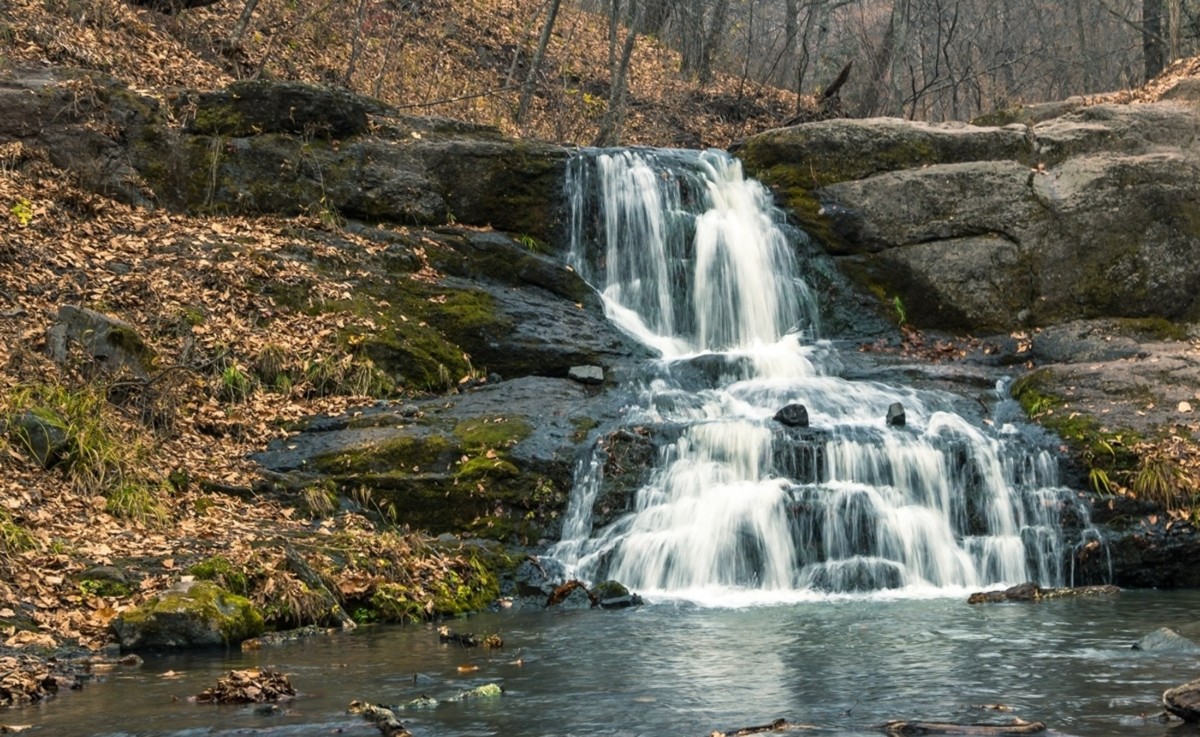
column 1090, row 213
column 1184, row 701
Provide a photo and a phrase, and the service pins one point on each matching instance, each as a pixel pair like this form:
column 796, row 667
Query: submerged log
column 1033, row 592
column 1016, row 727
column 383, row 718
column 779, row 725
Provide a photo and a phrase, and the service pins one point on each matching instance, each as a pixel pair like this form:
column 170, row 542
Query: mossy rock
column 202, row 615
column 221, row 571
column 252, row 107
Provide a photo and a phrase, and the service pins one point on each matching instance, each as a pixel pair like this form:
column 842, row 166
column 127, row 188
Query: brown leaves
column 252, row 686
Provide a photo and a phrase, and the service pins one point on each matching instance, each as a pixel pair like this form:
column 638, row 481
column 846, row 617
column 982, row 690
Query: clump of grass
column 139, row 502
column 13, row 537
column 1158, row 479
column 346, row 374
column 271, row 366
column 91, row 449
column 319, row 500
column 236, row 385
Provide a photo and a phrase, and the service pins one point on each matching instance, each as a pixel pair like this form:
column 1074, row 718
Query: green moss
column 1098, row 446
column 221, row 571
column 491, row 432
column 402, row 455
column 104, row 587
column 233, row 616
column 482, row 467
column 221, row 119
column 1154, row 327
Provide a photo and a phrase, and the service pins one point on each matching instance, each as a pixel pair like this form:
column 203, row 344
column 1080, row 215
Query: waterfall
column 692, row 259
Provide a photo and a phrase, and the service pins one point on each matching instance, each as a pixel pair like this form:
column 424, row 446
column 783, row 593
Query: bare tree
column 614, row 117
column 243, row 21
column 360, row 16
column 535, row 64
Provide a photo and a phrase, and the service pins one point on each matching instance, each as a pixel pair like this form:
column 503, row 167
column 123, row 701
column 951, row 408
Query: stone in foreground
column 195, row 615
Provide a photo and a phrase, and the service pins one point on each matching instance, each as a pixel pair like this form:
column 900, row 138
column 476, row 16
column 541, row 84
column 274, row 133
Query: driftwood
column 779, row 725
column 383, row 718
column 1016, row 727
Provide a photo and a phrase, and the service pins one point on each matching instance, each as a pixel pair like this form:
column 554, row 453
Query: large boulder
column 1088, row 214
column 192, row 615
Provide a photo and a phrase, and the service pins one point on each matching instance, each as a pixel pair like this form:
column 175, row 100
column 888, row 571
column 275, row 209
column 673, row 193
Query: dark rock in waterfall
column 1165, row 639
column 572, row 595
column 895, row 415
column 1184, row 701
column 539, row 577
column 586, row 374
column 622, row 602
column 793, row 415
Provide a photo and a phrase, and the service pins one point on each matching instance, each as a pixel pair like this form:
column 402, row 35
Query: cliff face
column 1093, row 213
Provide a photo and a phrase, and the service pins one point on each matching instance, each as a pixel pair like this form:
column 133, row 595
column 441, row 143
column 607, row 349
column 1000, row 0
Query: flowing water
column 694, row 261
column 841, row 663
column 812, row 573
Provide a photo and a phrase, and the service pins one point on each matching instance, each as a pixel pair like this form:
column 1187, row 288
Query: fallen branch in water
column 1016, row 727
column 779, row 725
column 384, row 719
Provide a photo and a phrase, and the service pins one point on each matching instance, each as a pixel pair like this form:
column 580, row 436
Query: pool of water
column 673, row 668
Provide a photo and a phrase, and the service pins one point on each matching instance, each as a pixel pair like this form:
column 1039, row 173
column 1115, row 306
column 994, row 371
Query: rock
column 1165, row 639
column 895, row 415
column 538, row 577
column 1086, row 211
column 114, row 344
column 1184, row 701
column 572, row 595
column 486, row 691
column 521, row 438
column 793, row 415
column 586, row 374
column 198, row 615
column 421, row 702
column 622, row 602
column 254, row 107
column 609, row 590
column 42, row 434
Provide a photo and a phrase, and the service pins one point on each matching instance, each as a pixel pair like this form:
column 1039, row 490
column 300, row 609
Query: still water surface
column 842, row 665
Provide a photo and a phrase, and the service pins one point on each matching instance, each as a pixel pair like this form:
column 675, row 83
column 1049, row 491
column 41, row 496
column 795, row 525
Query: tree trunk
column 1154, row 51
column 535, row 64
column 791, row 36
column 243, row 21
column 355, row 43
column 712, row 40
column 614, row 118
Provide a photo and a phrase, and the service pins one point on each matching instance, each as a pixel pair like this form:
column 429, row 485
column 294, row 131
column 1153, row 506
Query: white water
column 691, row 260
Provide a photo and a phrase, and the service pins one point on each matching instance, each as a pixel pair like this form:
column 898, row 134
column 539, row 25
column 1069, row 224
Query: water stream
column 694, row 261
column 842, row 663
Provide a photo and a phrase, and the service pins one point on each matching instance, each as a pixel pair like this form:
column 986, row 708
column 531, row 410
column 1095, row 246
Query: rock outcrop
column 1088, row 214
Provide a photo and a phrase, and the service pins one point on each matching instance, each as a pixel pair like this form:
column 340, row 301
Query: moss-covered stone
column 203, row 615
column 221, row 571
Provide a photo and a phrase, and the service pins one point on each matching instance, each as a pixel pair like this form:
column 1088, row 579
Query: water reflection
column 676, row 669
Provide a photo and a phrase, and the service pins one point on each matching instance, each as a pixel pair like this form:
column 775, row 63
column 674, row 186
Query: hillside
column 470, row 53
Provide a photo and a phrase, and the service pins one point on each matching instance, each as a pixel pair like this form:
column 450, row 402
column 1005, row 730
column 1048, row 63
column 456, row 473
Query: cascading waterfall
column 692, row 259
